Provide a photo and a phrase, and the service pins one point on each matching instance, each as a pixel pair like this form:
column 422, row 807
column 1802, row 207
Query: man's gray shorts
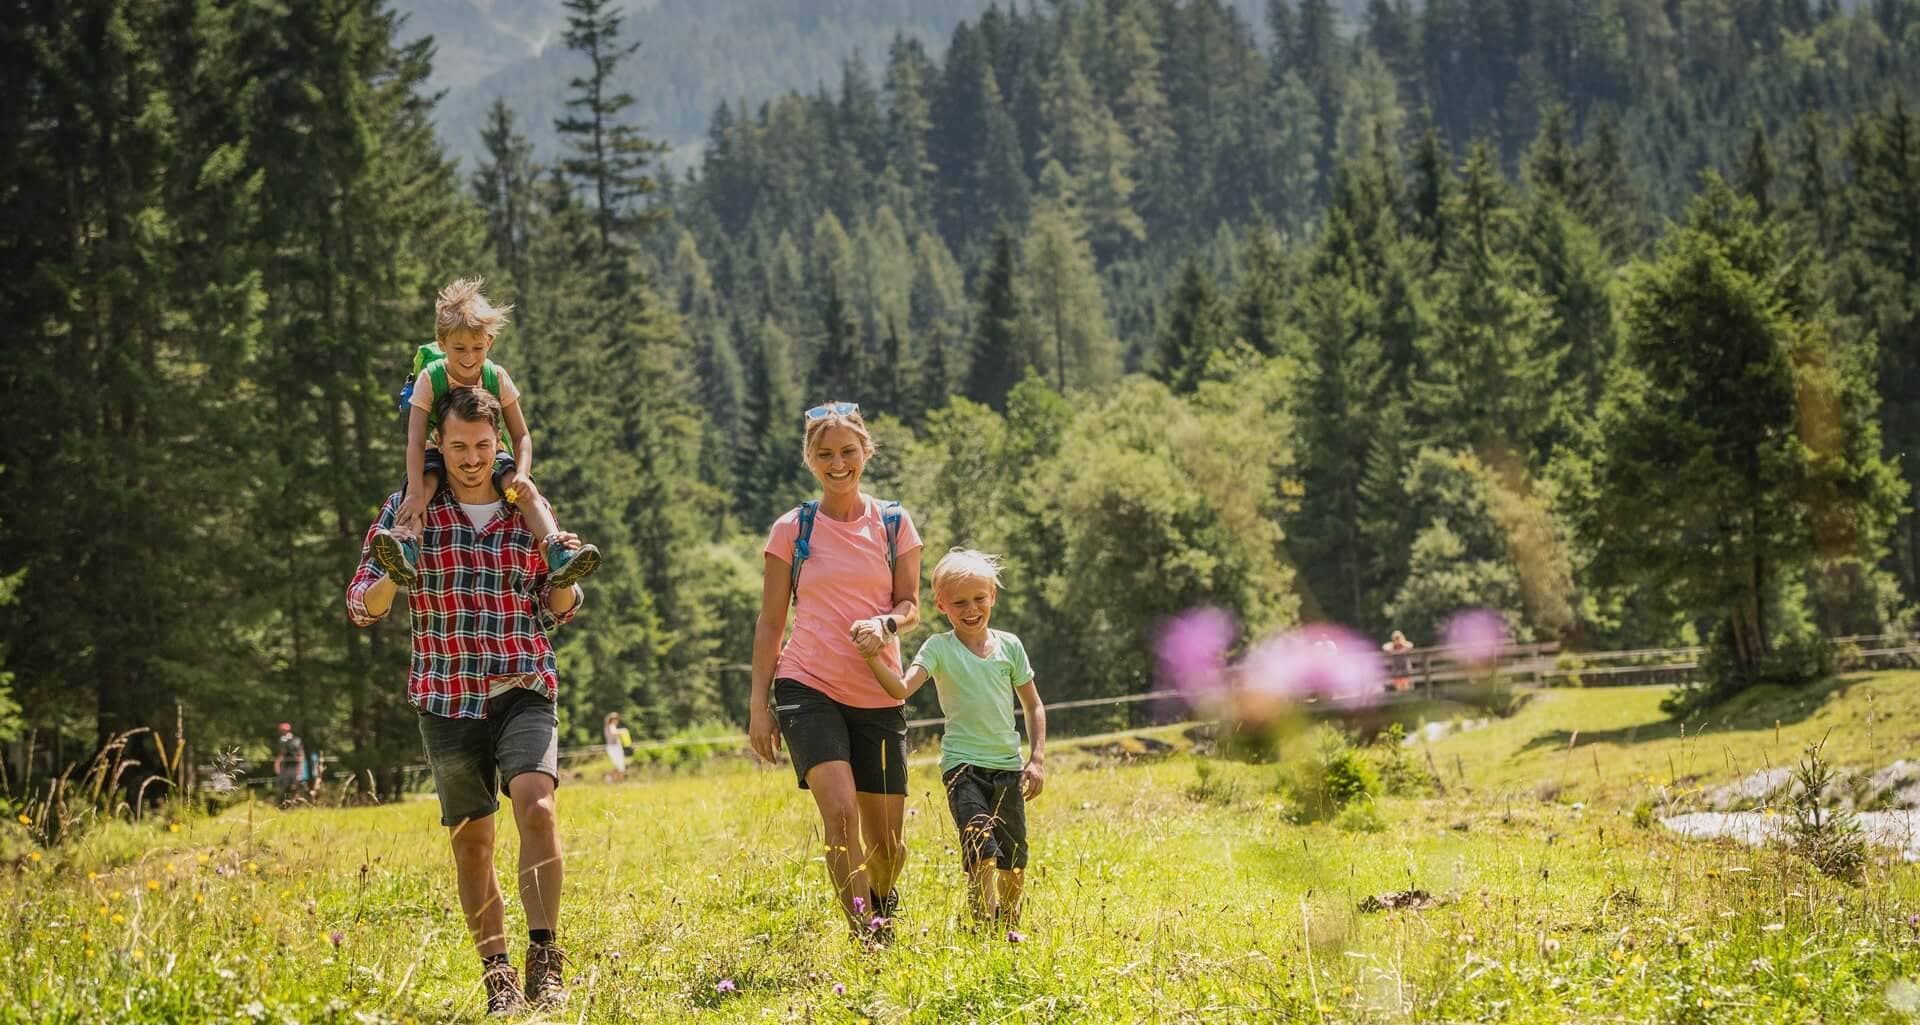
column 473, row 760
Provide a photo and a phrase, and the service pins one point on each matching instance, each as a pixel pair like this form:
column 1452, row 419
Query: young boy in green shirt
column 976, row 671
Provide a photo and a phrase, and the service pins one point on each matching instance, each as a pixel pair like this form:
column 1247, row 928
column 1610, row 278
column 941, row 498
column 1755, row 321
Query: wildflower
column 34, row 857
column 251, row 867
column 118, row 919
column 173, row 827
column 199, row 898
column 153, row 884
column 91, row 876
column 1477, row 636
column 1016, row 936
column 26, row 821
column 839, row 989
column 336, row 937
column 725, row 986
column 201, row 859
column 138, row 954
column 859, row 905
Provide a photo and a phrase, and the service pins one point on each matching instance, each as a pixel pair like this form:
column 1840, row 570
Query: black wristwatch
column 892, row 627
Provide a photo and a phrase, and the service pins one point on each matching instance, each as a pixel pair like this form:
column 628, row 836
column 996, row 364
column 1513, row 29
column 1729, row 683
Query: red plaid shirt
column 479, row 607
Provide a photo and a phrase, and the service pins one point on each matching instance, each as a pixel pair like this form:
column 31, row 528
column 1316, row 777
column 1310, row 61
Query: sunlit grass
column 1145, row 905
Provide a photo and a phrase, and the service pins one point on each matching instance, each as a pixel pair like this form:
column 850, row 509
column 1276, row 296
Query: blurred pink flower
column 725, row 986
column 1192, row 652
column 839, row 989
column 1320, row 661
column 1016, row 937
column 1476, row 636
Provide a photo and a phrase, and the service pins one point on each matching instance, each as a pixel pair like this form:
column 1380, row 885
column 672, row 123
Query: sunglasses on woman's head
column 833, row 408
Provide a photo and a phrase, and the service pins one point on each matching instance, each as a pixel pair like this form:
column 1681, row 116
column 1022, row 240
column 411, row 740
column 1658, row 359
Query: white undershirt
column 482, row 514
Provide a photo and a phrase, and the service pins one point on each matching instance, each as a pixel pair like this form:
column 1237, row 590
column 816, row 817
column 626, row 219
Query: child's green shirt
column 977, row 697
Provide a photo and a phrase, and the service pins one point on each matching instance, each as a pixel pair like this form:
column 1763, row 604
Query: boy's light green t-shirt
column 976, row 696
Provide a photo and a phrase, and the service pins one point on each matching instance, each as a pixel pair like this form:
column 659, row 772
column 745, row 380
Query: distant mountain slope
column 693, row 54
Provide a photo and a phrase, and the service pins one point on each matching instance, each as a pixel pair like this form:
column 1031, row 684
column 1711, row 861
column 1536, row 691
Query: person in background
column 617, row 739
column 1399, row 663
column 289, row 762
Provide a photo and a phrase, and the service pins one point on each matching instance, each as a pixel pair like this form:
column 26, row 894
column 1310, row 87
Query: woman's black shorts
column 818, row 729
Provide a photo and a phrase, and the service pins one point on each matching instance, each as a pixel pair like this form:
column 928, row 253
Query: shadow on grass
column 1755, row 708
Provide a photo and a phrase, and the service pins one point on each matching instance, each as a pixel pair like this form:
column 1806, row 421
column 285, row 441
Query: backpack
column 803, row 541
column 425, row 357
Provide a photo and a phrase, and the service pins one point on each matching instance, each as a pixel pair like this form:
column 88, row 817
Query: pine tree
column 1068, row 310
column 610, row 156
column 504, row 185
column 1714, row 487
column 1195, row 328
column 1487, row 372
column 1001, row 354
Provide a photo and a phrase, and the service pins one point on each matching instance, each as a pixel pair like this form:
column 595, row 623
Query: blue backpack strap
column 890, row 515
column 802, row 545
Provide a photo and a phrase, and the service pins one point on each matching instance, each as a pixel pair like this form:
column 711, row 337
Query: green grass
column 1151, row 899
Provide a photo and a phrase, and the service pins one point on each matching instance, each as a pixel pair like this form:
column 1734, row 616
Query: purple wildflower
column 1321, row 661
column 725, row 986
column 1192, row 652
column 336, row 937
column 1016, row 936
column 877, row 923
column 1476, row 636
column 859, row 905
column 839, row 989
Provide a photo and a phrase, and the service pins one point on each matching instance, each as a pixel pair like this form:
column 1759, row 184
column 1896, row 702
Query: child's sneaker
column 568, row 565
column 396, row 556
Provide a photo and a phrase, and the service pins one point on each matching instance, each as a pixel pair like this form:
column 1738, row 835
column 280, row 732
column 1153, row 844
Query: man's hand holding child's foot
column 568, row 560
column 397, row 550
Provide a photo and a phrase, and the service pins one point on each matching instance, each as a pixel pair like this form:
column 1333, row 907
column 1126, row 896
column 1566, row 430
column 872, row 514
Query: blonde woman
column 849, row 566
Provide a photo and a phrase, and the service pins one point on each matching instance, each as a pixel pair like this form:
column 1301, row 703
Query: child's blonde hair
column 463, row 307
column 851, row 420
column 967, row 564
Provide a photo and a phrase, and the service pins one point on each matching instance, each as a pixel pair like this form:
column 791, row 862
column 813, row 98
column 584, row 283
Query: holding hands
column 870, row 636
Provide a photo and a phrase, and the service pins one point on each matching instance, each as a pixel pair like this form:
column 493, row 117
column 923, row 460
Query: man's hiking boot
column 545, row 985
column 503, row 989
column 565, row 566
column 396, row 556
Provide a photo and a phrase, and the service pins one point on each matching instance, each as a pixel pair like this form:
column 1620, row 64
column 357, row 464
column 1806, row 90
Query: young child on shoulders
column 465, row 326
column 977, row 671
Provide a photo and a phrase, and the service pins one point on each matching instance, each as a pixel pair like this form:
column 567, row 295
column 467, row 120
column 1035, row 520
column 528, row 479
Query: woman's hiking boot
column 503, row 988
column 546, row 987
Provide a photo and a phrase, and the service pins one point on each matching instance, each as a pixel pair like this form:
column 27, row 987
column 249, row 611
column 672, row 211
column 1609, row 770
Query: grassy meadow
column 1162, row 889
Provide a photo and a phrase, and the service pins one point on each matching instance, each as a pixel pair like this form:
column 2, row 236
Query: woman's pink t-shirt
column 844, row 579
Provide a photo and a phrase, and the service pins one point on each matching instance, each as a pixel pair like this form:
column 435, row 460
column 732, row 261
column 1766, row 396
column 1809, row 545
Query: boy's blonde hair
column 967, row 564
column 463, row 307
column 852, row 421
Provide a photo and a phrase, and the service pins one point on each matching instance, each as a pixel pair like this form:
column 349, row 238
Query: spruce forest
column 1601, row 313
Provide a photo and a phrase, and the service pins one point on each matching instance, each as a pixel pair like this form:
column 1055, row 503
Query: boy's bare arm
column 521, row 437
column 416, row 467
column 1034, row 776
column 891, row 681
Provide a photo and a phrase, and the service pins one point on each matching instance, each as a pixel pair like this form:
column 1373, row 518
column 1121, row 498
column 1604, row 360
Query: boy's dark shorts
column 437, row 464
column 473, row 760
column 818, row 729
column 991, row 812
